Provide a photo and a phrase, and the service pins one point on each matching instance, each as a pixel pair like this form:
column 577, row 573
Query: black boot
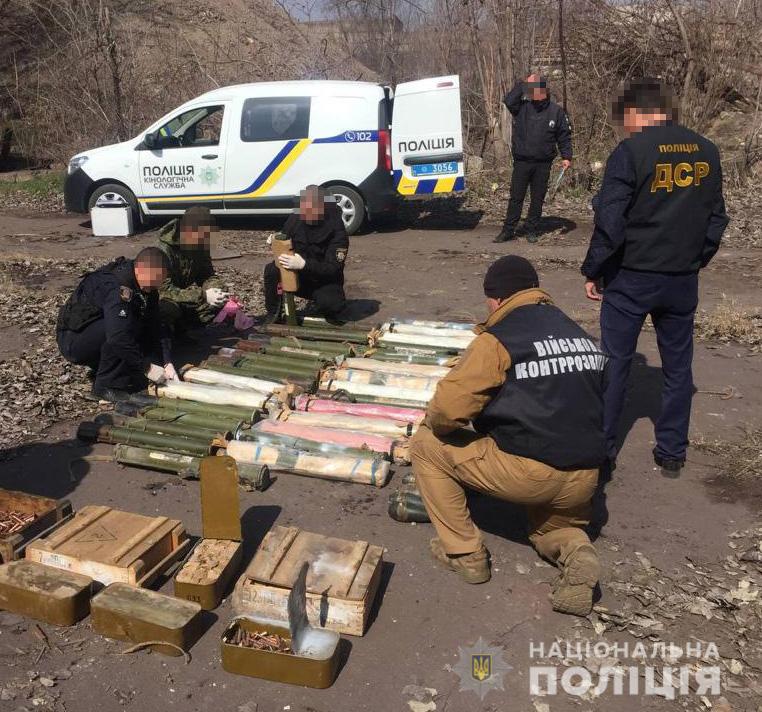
column 505, row 235
column 669, row 468
column 273, row 308
column 104, row 393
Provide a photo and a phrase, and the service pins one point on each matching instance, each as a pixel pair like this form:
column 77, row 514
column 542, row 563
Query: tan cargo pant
column 557, row 502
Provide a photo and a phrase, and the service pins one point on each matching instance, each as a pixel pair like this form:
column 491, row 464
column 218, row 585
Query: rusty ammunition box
column 319, row 669
column 42, row 514
column 207, row 574
column 139, row 615
column 44, row 593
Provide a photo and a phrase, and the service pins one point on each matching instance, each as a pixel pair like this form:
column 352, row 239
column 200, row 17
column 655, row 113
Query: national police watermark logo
column 481, row 668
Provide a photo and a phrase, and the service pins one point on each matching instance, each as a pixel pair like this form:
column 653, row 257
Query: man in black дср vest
column 659, row 218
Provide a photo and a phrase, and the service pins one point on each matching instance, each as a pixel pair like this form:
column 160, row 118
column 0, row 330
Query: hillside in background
column 79, row 73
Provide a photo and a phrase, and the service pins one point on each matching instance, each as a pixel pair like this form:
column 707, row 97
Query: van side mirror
column 150, row 141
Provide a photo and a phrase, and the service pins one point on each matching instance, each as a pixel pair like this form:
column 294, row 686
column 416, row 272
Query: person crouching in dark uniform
column 320, row 244
column 112, row 324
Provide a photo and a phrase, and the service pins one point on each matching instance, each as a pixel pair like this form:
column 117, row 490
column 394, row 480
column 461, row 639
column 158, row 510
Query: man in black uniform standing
column 539, row 125
column 659, row 218
column 320, row 244
column 111, row 323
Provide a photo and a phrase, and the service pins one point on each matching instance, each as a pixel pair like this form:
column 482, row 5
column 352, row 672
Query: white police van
column 250, row 149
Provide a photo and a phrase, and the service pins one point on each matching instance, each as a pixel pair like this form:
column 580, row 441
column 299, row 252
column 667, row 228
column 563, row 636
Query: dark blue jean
column 671, row 301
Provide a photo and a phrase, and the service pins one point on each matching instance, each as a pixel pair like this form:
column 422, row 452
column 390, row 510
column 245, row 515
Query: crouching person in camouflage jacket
column 191, row 295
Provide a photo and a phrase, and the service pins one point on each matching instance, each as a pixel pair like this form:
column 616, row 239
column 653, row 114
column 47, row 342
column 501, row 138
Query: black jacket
column 660, row 207
column 550, row 406
column 132, row 320
column 538, row 127
column 324, row 246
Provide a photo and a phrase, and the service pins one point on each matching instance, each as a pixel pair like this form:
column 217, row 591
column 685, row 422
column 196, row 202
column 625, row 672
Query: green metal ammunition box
column 44, row 593
column 315, row 671
column 139, row 615
column 209, row 571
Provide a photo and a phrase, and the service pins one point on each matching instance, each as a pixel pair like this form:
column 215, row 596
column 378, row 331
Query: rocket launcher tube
column 387, row 356
column 211, row 421
column 285, row 367
column 222, row 395
column 376, row 426
column 190, row 406
column 453, row 325
column 339, row 348
column 402, row 369
column 378, row 378
column 364, row 410
column 255, row 476
column 281, row 359
column 421, row 340
column 349, row 469
column 381, row 400
column 295, row 380
column 125, row 436
column 335, row 436
column 169, row 427
column 217, row 378
column 289, row 354
column 426, row 331
column 368, row 389
column 314, row 334
column 293, row 443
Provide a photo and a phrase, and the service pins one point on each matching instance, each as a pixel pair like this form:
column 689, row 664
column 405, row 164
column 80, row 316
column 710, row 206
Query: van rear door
column 427, row 137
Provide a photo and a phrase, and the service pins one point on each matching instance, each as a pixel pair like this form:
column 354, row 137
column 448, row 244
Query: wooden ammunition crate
column 48, row 513
column 113, row 546
column 342, row 581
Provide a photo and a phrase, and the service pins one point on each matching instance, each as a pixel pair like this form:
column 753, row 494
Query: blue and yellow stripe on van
column 427, row 186
column 272, row 173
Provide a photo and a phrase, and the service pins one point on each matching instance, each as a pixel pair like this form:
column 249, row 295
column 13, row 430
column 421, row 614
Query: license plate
column 435, row 169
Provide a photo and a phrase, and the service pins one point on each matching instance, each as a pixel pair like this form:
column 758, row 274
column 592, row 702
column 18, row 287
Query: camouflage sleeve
column 189, row 295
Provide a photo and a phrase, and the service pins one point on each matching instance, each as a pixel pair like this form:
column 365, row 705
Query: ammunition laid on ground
column 371, row 471
column 255, row 477
column 223, row 395
column 217, row 378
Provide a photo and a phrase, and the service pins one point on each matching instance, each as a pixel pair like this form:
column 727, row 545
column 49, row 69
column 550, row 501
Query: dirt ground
column 681, row 557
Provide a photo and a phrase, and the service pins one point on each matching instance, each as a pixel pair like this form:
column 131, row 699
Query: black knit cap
column 508, row 275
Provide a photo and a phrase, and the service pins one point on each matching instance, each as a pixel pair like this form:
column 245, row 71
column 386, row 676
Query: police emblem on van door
column 208, row 175
column 552, row 124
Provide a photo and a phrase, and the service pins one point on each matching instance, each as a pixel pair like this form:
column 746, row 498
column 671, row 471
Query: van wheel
column 351, row 205
column 114, row 194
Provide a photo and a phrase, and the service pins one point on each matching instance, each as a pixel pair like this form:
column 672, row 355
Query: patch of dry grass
column 738, row 459
column 731, row 322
